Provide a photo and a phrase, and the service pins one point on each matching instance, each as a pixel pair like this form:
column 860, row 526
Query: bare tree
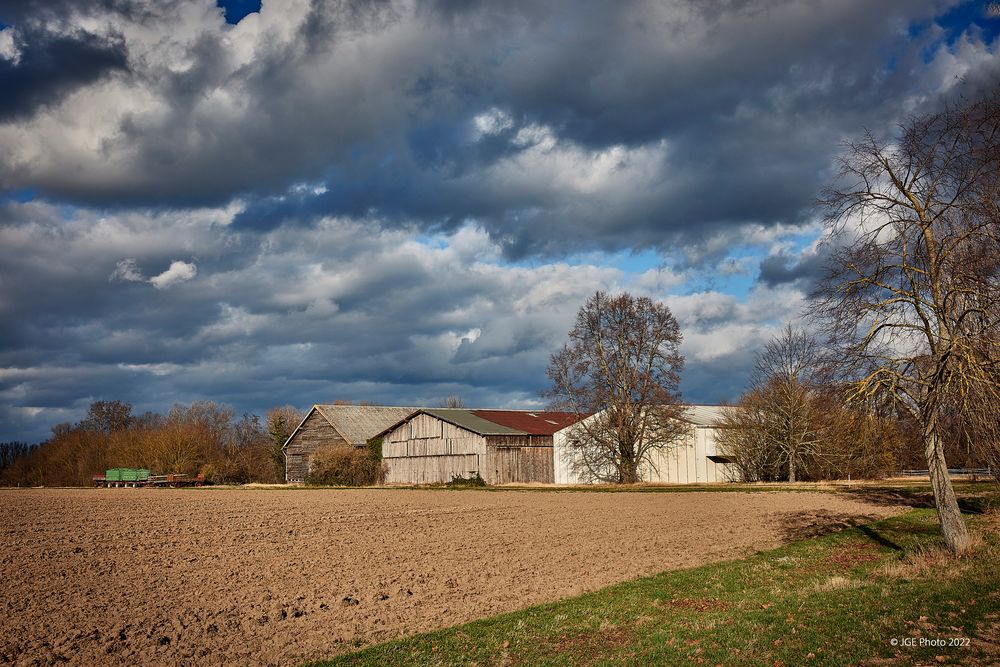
column 776, row 429
column 12, row 451
column 453, row 401
column 620, row 373
column 108, row 417
column 784, row 377
column 910, row 297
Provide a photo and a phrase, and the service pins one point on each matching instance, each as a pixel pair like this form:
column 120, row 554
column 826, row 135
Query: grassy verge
column 839, row 599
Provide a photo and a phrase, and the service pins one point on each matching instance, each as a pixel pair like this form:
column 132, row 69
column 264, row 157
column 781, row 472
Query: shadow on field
column 877, row 537
column 803, row 525
column 918, row 499
column 889, row 496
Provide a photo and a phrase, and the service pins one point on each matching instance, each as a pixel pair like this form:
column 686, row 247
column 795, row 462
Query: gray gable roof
column 705, row 415
column 359, row 423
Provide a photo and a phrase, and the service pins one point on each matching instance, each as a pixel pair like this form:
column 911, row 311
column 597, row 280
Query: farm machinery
column 140, row 478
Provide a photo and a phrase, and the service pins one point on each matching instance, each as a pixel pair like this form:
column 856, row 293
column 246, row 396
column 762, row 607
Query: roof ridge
column 320, row 409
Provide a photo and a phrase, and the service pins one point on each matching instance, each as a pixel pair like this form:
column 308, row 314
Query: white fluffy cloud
column 178, row 272
column 127, row 270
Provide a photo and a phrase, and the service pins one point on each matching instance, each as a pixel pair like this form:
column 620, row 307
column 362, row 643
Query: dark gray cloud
column 16, row 12
column 52, row 66
column 782, row 267
column 730, row 111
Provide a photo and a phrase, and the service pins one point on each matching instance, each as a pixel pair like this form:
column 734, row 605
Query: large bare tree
column 910, row 300
column 620, row 373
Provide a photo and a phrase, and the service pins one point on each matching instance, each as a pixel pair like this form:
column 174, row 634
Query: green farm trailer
column 140, row 477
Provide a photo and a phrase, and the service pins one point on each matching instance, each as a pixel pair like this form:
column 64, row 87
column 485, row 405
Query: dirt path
column 152, row 576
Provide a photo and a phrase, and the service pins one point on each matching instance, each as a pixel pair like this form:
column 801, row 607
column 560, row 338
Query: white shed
column 694, row 459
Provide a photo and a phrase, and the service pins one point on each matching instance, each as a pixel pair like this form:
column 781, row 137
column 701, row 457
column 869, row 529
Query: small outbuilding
column 326, row 425
column 502, row 446
column 693, row 459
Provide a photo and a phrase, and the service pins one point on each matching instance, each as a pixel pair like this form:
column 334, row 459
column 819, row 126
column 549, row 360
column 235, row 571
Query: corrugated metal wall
column 686, row 462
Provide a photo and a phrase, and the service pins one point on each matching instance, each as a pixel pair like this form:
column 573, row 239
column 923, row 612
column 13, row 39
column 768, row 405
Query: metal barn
column 502, row 446
column 324, row 425
column 694, row 459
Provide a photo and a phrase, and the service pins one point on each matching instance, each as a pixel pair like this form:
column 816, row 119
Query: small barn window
column 720, row 459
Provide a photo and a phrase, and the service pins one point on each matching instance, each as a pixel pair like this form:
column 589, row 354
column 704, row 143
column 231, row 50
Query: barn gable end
column 426, row 449
column 331, row 425
column 434, row 445
column 314, row 432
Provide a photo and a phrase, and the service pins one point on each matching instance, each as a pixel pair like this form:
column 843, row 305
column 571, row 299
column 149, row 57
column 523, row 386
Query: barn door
column 505, row 466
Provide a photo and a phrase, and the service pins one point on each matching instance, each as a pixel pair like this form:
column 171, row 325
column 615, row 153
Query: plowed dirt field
column 213, row 576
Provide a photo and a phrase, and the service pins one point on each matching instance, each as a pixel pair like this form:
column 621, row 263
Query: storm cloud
column 627, row 124
column 46, row 68
column 400, row 200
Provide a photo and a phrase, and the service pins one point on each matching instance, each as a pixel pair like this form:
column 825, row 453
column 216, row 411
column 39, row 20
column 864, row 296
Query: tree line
column 201, row 438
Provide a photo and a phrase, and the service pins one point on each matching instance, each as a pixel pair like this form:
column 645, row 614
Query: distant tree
column 245, row 453
column 201, row 437
column 861, row 440
column 108, row 417
column 12, row 451
column 777, row 428
column 191, row 439
column 622, row 365
column 910, row 299
column 281, row 422
column 453, row 401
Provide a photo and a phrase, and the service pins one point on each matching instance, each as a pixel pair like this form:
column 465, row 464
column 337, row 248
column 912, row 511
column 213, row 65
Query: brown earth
column 154, row 576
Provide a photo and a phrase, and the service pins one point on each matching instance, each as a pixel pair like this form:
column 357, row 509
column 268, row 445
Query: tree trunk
column 956, row 535
column 791, row 467
column 628, row 472
column 628, row 469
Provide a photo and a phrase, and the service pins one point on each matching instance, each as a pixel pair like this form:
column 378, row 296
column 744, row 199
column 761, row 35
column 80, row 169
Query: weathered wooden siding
column 314, row 433
column 519, row 459
column 428, row 450
column 430, row 469
column 520, row 464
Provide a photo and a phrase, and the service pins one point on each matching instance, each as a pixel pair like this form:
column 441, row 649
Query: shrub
column 375, row 448
column 345, row 466
column 458, row 480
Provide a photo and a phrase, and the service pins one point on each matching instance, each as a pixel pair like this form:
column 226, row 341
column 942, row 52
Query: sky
column 301, row 201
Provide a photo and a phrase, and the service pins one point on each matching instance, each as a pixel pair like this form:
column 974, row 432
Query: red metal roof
column 531, row 422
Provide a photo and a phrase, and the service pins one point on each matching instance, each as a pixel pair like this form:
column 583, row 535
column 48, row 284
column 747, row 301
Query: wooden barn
column 692, row 460
column 502, row 446
column 324, row 425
